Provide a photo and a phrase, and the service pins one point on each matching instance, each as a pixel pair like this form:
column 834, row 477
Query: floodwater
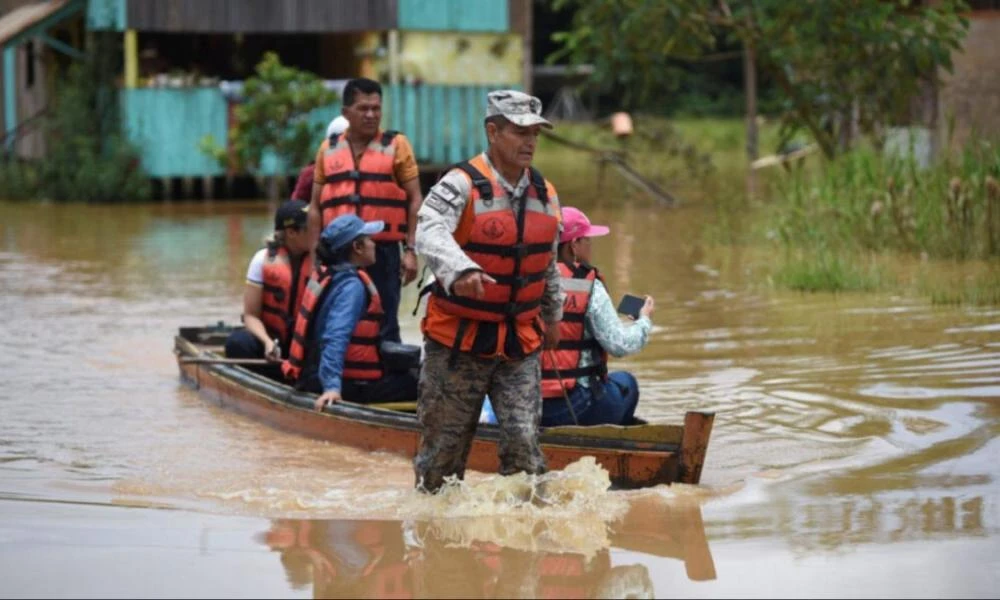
column 855, row 448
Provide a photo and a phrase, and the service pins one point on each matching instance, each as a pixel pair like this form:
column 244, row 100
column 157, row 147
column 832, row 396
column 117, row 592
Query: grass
column 850, row 224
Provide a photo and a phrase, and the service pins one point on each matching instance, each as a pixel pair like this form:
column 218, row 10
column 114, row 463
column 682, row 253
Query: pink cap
column 576, row 225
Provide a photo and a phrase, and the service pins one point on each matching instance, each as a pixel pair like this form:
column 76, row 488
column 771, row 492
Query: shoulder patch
column 436, row 202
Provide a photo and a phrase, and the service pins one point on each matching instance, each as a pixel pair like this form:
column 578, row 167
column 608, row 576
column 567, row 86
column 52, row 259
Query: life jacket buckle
column 354, row 198
column 354, row 175
column 520, row 250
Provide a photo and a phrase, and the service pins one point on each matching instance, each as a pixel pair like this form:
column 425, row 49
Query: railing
column 9, row 140
column 444, row 124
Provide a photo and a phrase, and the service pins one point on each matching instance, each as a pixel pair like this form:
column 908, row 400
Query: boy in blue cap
column 335, row 346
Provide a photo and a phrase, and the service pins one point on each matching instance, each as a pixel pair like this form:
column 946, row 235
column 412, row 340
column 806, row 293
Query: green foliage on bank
column 88, row 157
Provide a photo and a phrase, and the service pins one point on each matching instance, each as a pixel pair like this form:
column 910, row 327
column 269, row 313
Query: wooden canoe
column 635, row 456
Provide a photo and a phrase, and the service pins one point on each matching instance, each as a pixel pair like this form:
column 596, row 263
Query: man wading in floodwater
column 488, row 231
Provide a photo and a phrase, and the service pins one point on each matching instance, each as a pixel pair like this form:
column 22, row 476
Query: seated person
column 340, row 320
column 590, row 330
column 276, row 280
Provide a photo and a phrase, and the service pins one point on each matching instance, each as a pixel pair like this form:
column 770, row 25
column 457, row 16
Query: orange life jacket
column 578, row 284
column 280, row 297
column 367, row 188
column 362, row 361
column 515, row 250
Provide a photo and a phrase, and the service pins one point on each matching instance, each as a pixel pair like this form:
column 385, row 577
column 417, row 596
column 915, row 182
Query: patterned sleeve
column 603, row 322
column 436, row 224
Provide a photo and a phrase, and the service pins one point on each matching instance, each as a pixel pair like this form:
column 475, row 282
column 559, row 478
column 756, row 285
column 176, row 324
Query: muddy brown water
column 854, row 453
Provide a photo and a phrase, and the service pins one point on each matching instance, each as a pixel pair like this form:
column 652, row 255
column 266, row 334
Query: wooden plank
column 409, row 110
column 131, row 58
column 262, row 16
column 455, row 126
column 10, row 94
column 694, row 445
column 473, row 120
column 426, row 122
column 439, row 118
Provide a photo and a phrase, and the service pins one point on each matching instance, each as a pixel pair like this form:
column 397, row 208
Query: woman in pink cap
column 591, row 329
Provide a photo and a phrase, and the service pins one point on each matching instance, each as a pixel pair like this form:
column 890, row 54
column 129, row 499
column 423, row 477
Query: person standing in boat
column 590, row 330
column 373, row 174
column 275, row 282
column 335, row 346
column 488, row 232
column 304, row 182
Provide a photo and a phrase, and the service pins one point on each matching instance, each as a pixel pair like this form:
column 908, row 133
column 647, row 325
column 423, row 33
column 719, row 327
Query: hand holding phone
column 631, row 306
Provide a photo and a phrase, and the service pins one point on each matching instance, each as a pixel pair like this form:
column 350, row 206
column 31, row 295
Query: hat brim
column 597, row 231
column 372, row 227
column 529, row 120
column 589, row 232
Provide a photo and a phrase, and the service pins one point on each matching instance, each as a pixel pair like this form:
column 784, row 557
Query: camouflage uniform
column 450, row 399
column 448, row 410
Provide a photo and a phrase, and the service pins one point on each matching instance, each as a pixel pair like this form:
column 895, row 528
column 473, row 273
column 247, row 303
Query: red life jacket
column 362, row 361
column 280, row 298
column 514, row 251
column 578, row 284
column 368, row 189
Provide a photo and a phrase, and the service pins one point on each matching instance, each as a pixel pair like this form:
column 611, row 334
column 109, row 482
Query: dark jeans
column 243, row 344
column 612, row 402
column 385, row 276
column 393, row 387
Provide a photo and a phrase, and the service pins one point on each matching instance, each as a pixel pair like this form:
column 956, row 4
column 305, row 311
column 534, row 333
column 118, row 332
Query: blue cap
column 342, row 231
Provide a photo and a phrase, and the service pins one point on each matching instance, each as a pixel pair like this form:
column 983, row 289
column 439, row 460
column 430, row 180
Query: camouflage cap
column 518, row 107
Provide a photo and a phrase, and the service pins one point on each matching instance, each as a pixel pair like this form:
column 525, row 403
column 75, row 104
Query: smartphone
column 631, row 305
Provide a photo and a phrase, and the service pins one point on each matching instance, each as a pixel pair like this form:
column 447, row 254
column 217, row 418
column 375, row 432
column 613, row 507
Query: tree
column 841, row 64
column 275, row 116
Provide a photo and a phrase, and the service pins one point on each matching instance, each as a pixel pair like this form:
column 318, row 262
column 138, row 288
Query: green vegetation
column 275, row 117
column 88, row 157
column 831, row 60
column 863, row 222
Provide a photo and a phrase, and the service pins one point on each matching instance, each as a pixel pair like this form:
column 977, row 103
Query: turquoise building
column 184, row 60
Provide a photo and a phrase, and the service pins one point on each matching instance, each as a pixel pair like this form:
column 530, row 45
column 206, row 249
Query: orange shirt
column 404, row 165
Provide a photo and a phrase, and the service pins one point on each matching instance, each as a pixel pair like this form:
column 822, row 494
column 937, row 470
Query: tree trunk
column 750, row 89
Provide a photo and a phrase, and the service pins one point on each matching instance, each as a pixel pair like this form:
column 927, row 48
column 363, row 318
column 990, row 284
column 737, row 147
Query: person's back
column 576, row 384
column 335, row 350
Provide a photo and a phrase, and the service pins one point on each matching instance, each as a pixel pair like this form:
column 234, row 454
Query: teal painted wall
column 443, row 123
column 168, row 125
column 454, row 15
column 106, row 14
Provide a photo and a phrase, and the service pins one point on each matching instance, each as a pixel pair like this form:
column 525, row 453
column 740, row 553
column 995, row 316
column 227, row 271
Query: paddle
column 563, row 387
column 226, row 361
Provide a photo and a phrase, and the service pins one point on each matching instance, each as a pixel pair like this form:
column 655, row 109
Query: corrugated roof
column 25, row 16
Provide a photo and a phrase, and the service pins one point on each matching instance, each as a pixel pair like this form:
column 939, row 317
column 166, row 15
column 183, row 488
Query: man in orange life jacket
column 335, row 346
column 488, row 232
column 276, row 279
column 373, row 174
column 577, row 371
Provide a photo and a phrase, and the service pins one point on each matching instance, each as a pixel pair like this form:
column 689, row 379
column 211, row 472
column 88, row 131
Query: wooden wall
column 261, row 16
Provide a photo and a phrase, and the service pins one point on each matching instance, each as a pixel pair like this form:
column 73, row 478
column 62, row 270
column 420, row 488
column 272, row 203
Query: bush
column 88, row 157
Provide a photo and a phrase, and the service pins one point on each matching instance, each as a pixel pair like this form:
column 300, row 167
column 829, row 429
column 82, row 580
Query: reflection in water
column 811, row 526
column 452, row 559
